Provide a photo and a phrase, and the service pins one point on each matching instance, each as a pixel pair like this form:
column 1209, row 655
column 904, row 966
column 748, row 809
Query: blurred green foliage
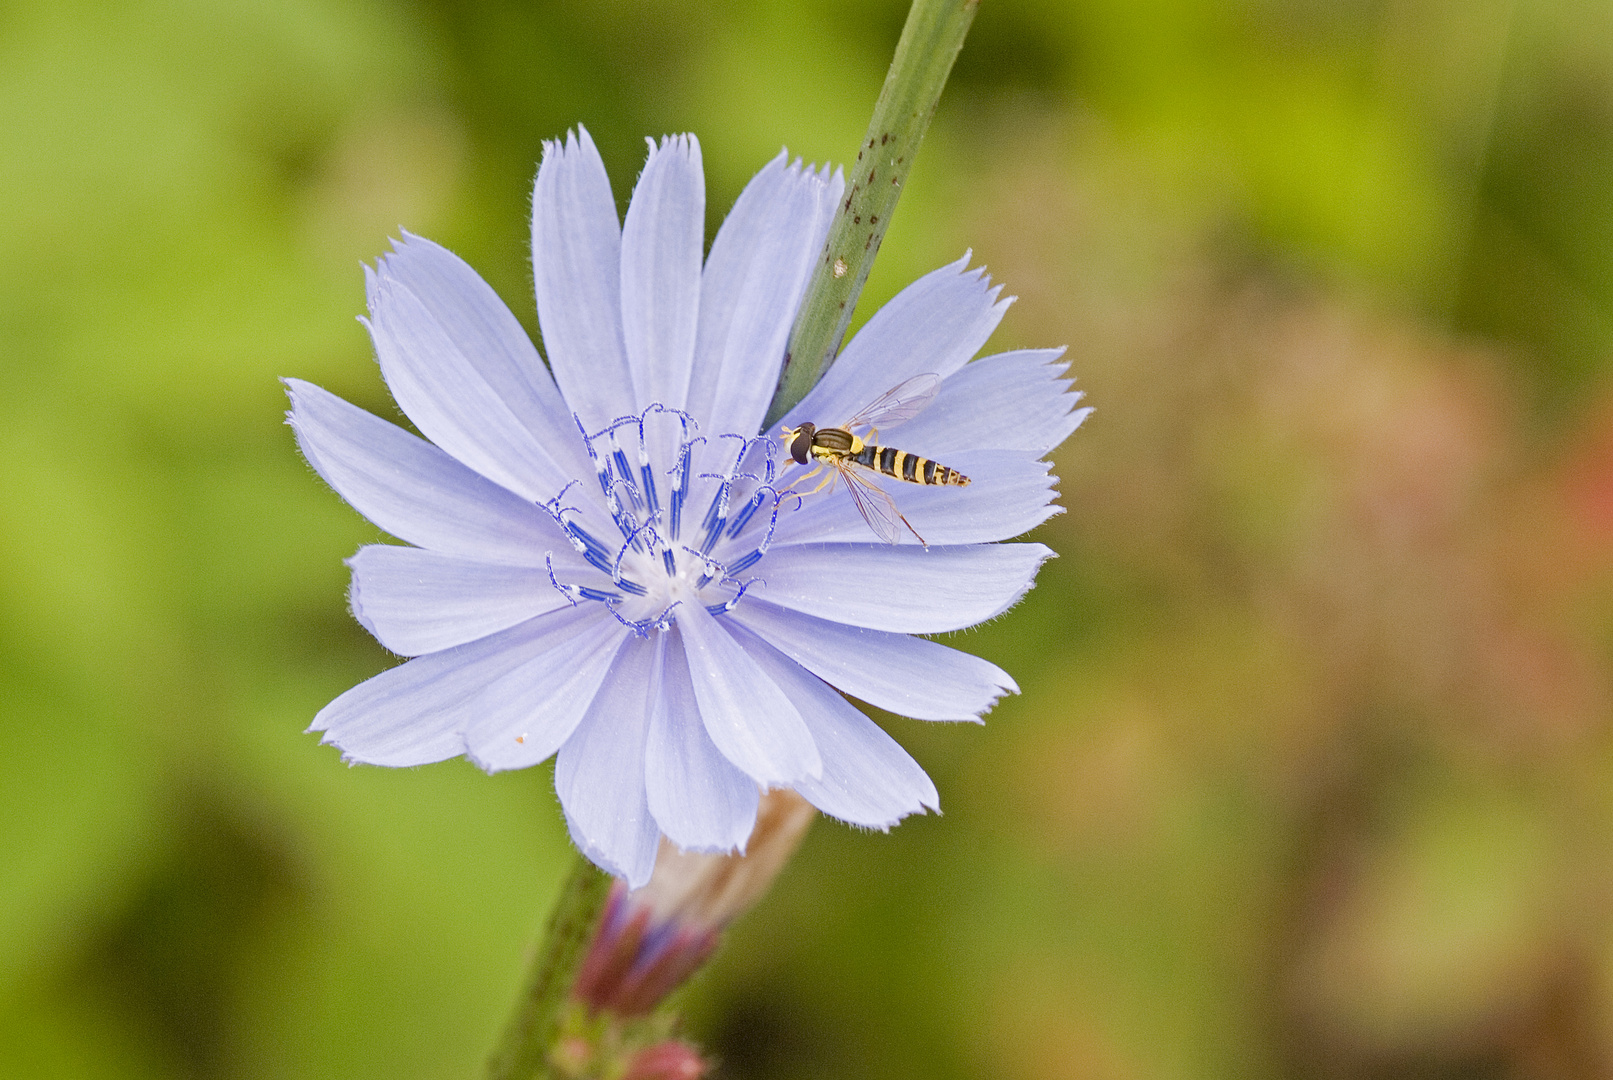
column 1311, row 776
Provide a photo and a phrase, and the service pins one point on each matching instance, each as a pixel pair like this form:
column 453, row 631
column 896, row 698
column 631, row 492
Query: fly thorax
column 836, row 442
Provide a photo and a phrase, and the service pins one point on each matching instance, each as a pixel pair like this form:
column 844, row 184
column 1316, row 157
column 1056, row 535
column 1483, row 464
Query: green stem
column 523, row 1051
column 929, row 44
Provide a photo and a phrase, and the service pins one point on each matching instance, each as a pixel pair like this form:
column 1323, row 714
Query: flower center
column 671, row 518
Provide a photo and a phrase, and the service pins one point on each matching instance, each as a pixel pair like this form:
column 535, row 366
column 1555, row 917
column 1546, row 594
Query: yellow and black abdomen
column 905, row 466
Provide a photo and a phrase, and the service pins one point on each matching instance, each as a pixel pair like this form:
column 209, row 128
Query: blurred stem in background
column 931, row 39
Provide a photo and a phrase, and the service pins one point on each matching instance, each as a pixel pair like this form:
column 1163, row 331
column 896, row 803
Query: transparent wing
column 876, row 507
column 899, row 403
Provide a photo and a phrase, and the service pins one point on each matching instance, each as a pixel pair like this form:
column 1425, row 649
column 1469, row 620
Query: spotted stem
column 928, row 46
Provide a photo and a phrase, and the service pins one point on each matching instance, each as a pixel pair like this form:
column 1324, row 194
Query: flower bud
column 671, row 1060
column 652, row 939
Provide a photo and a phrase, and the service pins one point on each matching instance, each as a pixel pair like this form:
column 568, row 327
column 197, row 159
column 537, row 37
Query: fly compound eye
column 801, row 445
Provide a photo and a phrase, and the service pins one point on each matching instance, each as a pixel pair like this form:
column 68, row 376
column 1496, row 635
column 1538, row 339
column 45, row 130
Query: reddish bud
column 651, row 940
column 670, row 1060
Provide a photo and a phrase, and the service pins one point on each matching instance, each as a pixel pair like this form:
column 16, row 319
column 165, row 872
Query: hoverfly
column 844, row 453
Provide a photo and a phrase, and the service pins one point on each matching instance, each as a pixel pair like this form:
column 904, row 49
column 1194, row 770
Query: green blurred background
column 1311, row 776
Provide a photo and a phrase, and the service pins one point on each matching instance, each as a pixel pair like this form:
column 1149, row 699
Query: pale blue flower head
column 608, row 562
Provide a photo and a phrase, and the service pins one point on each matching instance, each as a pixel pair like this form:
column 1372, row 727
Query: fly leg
column 789, row 489
column 827, row 481
column 828, row 478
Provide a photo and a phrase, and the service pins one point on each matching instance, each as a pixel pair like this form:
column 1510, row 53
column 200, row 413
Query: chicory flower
column 611, row 562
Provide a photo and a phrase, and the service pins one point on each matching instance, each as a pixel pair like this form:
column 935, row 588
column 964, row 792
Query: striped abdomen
column 905, row 466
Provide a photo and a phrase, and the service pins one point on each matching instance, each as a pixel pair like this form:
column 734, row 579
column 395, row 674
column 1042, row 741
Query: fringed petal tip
column 981, row 276
column 1045, row 554
column 683, row 142
column 886, row 826
column 918, row 798
column 296, row 393
column 575, row 139
column 1005, row 687
column 636, row 873
column 385, row 268
column 783, row 160
column 294, row 386
column 355, row 605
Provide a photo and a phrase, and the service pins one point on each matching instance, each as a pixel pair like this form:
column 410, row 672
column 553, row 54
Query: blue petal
column 754, row 277
column 488, row 338
column 447, row 398
column 701, row 800
column 867, row 779
column 599, row 772
column 906, row 675
column 1009, row 401
column 524, row 716
column 420, row 711
column 752, row 722
column 412, row 489
column 662, row 242
column 934, row 325
column 576, row 270
column 906, row 590
column 416, row 601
